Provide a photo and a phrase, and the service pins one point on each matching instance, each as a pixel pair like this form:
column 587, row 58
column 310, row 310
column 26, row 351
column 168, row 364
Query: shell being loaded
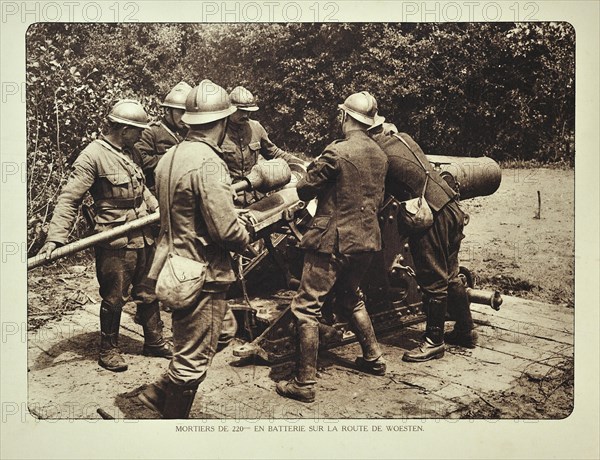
column 474, row 176
column 275, row 208
column 390, row 289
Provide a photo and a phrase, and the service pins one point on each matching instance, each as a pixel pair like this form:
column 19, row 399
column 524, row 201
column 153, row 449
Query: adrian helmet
column 360, row 106
column 129, row 112
column 378, row 119
column 243, row 99
column 205, row 103
column 177, row 96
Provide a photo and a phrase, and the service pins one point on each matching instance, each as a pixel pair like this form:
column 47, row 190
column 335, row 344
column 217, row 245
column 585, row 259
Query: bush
column 497, row 89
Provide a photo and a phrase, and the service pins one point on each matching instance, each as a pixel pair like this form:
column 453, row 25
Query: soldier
column 106, row 169
column 434, row 250
column 246, row 139
column 155, row 141
column 160, row 136
column 205, row 227
column 348, row 181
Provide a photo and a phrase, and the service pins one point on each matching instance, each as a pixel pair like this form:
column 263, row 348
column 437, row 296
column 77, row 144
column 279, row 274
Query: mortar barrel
column 476, row 176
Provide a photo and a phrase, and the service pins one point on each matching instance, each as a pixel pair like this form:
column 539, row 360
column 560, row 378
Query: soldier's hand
column 47, row 249
column 244, row 217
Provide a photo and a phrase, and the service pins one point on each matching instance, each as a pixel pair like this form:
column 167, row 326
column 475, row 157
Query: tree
column 498, row 89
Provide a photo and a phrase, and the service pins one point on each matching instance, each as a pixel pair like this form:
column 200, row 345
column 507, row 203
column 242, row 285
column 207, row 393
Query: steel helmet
column 243, row 99
column 360, row 106
column 129, row 112
column 177, row 96
column 378, row 119
column 205, row 103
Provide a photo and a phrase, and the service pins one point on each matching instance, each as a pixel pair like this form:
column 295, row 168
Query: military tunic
column 435, row 250
column 205, row 227
column 120, row 195
column 243, row 146
column 155, row 141
column 348, row 180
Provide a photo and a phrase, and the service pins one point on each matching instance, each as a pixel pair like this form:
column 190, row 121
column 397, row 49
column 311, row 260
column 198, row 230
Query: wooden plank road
column 524, row 338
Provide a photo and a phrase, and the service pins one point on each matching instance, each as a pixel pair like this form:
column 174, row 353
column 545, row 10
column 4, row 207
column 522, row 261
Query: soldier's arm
column 269, row 150
column 320, row 173
column 146, row 148
column 150, row 200
column 67, row 205
column 212, row 185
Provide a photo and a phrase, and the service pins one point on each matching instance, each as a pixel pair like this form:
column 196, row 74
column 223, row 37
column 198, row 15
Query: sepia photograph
column 299, row 225
column 398, row 192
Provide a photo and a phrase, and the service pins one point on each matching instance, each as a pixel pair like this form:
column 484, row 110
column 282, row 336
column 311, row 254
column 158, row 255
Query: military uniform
column 120, row 195
column 344, row 234
column 204, row 228
column 243, row 145
column 117, row 185
column 155, row 141
column 434, row 250
column 347, row 179
column 340, row 242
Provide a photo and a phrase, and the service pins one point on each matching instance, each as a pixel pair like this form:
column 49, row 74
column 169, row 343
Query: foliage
column 498, row 89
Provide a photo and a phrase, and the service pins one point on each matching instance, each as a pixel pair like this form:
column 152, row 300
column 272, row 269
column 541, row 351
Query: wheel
column 466, row 276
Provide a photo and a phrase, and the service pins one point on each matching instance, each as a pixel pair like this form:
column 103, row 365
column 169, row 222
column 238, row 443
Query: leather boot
column 465, row 339
column 302, row 387
column 371, row 360
column 154, row 342
column 178, row 400
column 458, row 302
column 155, row 394
column 432, row 347
column 110, row 356
column 228, row 330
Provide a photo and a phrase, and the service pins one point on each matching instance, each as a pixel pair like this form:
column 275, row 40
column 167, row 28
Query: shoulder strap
column 397, row 135
column 170, row 195
column 121, row 155
column 170, row 132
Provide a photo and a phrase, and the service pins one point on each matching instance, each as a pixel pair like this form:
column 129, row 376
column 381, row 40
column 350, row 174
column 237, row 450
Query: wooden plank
column 530, row 312
column 494, row 369
column 444, row 388
column 522, row 345
column 452, row 379
column 56, row 337
column 127, row 318
column 256, row 396
column 508, row 327
column 535, row 363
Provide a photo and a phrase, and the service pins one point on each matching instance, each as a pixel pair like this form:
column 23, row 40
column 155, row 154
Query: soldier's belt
column 121, row 203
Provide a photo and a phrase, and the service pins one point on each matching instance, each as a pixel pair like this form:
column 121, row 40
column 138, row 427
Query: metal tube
column 108, row 235
column 491, row 298
column 93, row 240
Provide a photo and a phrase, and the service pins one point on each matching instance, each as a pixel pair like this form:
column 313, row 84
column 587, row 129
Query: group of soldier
column 188, row 160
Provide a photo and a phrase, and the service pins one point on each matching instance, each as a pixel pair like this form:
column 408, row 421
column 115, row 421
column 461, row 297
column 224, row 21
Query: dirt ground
column 506, row 246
